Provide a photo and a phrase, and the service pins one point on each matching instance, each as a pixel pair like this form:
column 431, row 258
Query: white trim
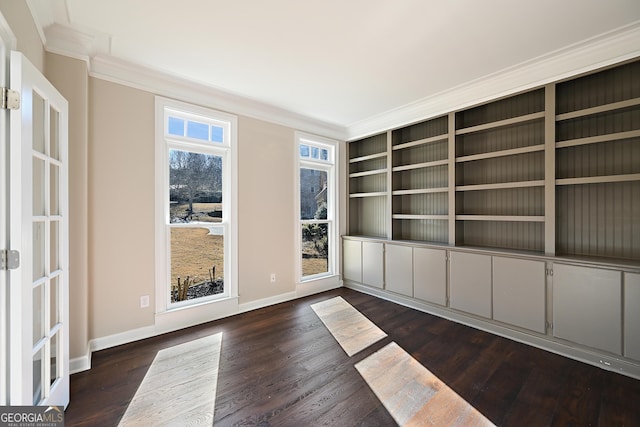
column 154, row 81
column 230, row 208
column 606, row 362
column 266, row 302
column 605, row 49
column 80, row 364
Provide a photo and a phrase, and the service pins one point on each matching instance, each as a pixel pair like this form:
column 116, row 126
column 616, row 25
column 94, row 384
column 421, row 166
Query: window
column 195, row 205
column 317, row 206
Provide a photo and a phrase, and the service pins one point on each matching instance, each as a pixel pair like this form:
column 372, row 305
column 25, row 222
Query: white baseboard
column 80, row 364
column 265, row 302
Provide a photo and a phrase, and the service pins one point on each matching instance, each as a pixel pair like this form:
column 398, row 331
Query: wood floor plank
column 279, row 366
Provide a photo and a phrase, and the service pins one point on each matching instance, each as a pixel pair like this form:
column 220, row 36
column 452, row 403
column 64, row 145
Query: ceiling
column 340, row 62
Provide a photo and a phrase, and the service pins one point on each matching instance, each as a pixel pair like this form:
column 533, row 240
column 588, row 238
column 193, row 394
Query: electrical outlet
column 144, row 301
column 273, row 277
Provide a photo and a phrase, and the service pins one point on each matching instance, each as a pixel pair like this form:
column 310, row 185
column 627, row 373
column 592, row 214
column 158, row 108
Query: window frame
column 330, row 167
column 227, row 149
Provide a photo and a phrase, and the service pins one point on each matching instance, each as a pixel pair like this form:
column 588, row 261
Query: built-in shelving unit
column 598, row 164
column 368, row 186
column 500, row 173
column 555, row 169
column 519, row 216
column 420, row 164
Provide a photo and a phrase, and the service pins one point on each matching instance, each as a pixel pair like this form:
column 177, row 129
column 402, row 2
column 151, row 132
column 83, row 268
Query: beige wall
column 70, row 77
column 266, row 211
column 121, row 207
column 21, row 22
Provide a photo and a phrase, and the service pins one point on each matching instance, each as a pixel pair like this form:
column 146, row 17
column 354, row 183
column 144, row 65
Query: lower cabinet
column 587, row 306
column 373, row 264
column 352, row 260
column 632, row 315
column 430, row 275
column 399, row 269
column 470, row 283
column 519, row 296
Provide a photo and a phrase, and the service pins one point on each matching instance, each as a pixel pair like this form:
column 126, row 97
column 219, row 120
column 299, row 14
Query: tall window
column 317, row 206
column 194, row 193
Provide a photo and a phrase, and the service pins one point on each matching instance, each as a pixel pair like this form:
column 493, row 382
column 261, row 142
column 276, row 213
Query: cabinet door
column 632, row 315
column 430, row 275
column 399, row 269
column 470, row 283
column 519, row 292
column 352, row 260
column 373, row 264
column 587, row 305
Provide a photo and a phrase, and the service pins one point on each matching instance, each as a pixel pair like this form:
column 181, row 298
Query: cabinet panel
column 373, row 264
column 632, row 315
column 519, row 293
column 399, row 269
column 352, row 260
column 430, row 275
column 470, row 283
column 587, row 305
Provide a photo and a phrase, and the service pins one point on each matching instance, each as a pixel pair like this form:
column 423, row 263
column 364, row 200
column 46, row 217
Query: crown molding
column 150, row 80
column 600, row 51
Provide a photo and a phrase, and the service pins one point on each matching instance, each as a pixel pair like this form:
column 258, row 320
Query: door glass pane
column 38, row 250
column 54, row 246
column 195, row 187
column 313, row 194
column 38, row 123
column 54, row 358
column 38, row 313
column 54, row 141
column 38, row 187
column 197, row 262
column 54, row 190
column 38, row 376
column 315, row 249
column 54, row 303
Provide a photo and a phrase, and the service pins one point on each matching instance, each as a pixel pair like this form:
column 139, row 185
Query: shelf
column 410, row 216
column 367, row 173
column 598, row 138
column 420, row 165
column 599, row 179
column 500, row 185
column 420, row 191
column 502, row 153
column 599, row 109
column 375, row 194
column 424, row 141
column 512, row 218
column 369, row 157
column 501, row 123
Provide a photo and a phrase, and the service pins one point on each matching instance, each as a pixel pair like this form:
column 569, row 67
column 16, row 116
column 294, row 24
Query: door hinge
column 549, row 325
column 10, row 99
column 9, row 260
column 549, row 272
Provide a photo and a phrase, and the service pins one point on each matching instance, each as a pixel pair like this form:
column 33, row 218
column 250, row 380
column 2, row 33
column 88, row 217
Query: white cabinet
column 632, row 315
column 399, row 269
column 519, row 292
column 373, row 264
column 587, row 305
column 470, row 283
column 352, row 260
column 430, row 275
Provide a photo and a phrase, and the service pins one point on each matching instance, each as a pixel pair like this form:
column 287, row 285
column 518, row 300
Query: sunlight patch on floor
column 413, row 395
column 353, row 331
column 179, row 387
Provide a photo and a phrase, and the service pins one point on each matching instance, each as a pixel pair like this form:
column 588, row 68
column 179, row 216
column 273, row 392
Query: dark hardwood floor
column 280, row 366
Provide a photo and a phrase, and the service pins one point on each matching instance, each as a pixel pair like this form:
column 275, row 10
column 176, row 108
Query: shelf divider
column 501, row 185
column 501, row 153
column 598, row 109
column 500, row 123
column 599, row 179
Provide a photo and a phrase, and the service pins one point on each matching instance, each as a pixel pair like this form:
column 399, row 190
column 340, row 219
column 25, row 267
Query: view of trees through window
column 315, row 227
column 197, row 237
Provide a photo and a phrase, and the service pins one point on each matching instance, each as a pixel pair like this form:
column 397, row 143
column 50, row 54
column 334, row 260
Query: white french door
column 38, row 301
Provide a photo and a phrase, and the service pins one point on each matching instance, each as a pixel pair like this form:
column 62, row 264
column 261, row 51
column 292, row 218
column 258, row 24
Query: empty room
column 287, row 213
